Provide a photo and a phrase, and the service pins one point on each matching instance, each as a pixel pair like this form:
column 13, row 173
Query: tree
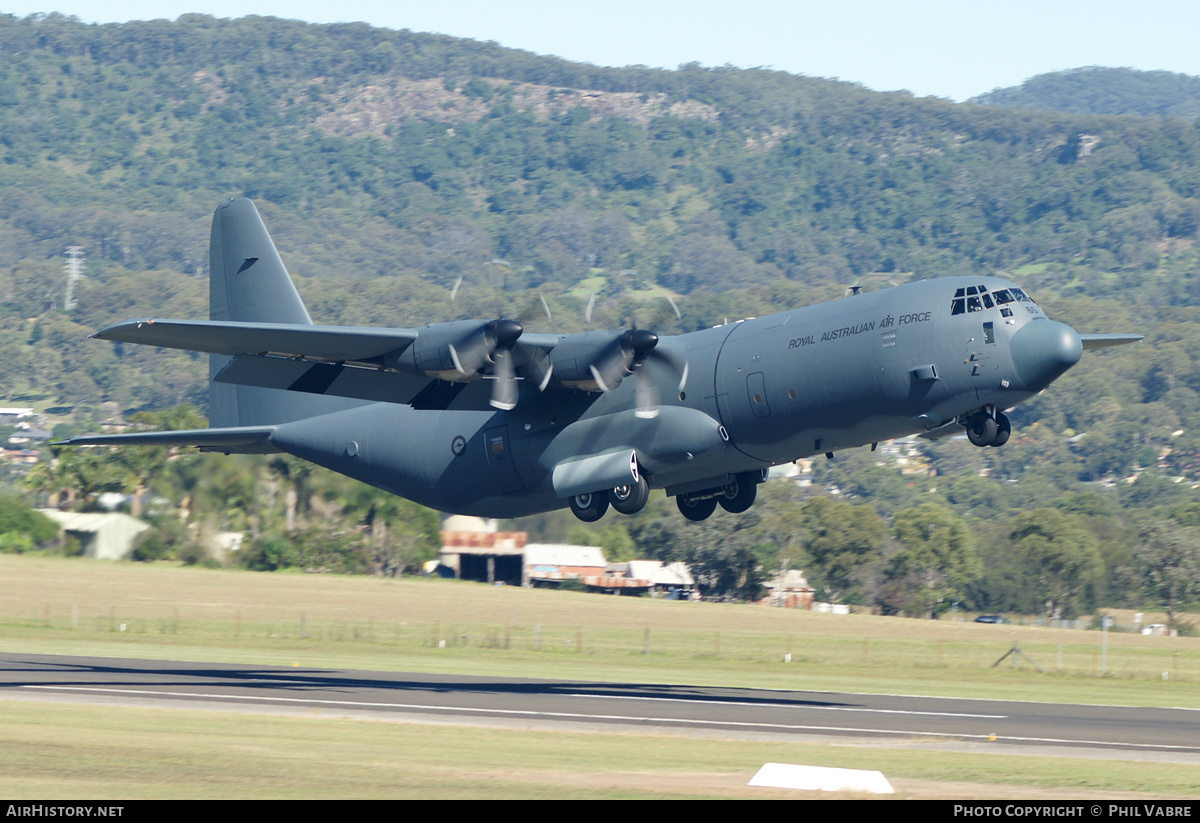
column 1168, row 555
column 841, row 537
column 937, row 560
column 22, row 527
column 1058, row 553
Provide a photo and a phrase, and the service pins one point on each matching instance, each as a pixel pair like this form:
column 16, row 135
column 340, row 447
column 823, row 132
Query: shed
column 104, row 536
column 558, row 561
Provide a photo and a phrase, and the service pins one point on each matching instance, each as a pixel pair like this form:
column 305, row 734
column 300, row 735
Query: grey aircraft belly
column 477, row 417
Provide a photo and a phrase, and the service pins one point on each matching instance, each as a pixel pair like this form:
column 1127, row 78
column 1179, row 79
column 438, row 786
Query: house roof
column 549, row 554
column 674, row 574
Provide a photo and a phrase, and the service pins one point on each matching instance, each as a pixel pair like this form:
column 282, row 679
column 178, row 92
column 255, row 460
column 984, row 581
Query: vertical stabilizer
column 249, row 283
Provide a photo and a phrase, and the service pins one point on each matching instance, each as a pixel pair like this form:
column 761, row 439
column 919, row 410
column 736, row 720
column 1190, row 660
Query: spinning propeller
column 492, row 344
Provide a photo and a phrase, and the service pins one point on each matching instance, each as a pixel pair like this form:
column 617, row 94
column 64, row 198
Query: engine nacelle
column 457, row 351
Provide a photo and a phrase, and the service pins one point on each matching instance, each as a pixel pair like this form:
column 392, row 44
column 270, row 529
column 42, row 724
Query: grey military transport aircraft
column 477, row 417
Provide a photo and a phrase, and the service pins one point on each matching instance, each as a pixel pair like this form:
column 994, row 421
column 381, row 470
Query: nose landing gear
column 984, row 429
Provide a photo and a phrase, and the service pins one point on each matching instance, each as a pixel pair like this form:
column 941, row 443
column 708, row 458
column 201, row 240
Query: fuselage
column 759, row 392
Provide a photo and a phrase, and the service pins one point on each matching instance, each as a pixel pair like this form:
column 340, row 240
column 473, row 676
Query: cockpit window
column 976, row 298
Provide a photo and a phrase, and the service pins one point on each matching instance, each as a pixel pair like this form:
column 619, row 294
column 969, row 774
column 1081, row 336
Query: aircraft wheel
column 589, row 507
column 981, row 429
column 630, row 499
column 694, row 509
column 739, row 495
column 1003, row 430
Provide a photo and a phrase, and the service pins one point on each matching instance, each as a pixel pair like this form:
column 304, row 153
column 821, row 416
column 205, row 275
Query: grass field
column 54, row 605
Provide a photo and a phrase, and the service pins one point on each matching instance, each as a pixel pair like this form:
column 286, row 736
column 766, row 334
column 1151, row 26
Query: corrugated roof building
column 104, row 535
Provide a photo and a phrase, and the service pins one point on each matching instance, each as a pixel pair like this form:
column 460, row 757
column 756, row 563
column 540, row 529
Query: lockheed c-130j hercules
column 478, row 417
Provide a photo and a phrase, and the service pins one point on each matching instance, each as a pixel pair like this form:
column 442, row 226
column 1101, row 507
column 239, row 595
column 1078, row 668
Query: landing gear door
column 500, row 460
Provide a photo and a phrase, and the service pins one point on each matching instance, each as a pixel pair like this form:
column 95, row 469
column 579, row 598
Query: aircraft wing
column 338, row 361
column 240, row 439
column 1104, row 341
column 327, row 343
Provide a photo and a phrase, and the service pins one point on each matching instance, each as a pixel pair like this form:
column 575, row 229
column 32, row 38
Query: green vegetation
column 161, row 611
column 22, row 528
column 1101, row 90
column 64, row 606
column 93, row 752
column 391, row 164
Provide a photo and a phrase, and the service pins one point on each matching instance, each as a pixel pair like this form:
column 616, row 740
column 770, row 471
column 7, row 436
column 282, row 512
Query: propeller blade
column 534, row 365
column 457, row 360
column 504, row 386
column 599, row 380
column 678, row 364
column 646, row 394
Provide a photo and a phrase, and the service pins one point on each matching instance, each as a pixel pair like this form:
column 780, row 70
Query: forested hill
column 390, row 164
column 393, row 152
column 1103, row 90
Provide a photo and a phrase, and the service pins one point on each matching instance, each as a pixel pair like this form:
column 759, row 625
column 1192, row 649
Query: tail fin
column 248, row 282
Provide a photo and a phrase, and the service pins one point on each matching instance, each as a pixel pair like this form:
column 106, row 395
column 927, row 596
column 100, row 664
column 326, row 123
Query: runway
column 1144, row 733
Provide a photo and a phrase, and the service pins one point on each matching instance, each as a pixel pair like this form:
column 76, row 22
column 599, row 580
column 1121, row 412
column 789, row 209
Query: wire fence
column 1085, row 654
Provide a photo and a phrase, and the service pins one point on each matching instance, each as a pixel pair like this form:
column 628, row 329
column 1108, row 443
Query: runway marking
column 789, row 706
column 614, row 717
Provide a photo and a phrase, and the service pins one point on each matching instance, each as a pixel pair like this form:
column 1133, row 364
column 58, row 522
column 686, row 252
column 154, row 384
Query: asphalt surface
column 1052, row 728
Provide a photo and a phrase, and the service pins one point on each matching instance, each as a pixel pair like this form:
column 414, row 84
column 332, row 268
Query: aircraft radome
column 477, row 417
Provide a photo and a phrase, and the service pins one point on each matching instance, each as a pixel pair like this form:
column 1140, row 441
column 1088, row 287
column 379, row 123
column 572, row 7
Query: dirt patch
column 369, row 109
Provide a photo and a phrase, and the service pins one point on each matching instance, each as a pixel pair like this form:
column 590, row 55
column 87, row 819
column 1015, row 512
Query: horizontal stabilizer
column 240, row 439
column 334, row 343
column 1104, row 341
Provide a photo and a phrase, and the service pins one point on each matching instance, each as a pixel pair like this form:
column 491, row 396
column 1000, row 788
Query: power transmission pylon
column 74, row 269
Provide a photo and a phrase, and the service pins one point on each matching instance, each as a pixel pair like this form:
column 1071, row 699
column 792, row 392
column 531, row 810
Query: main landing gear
column 629, row 499
column 987, row 429
column 735, row 497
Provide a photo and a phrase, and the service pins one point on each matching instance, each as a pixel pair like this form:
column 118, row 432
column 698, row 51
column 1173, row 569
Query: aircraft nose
column 1042, row 351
